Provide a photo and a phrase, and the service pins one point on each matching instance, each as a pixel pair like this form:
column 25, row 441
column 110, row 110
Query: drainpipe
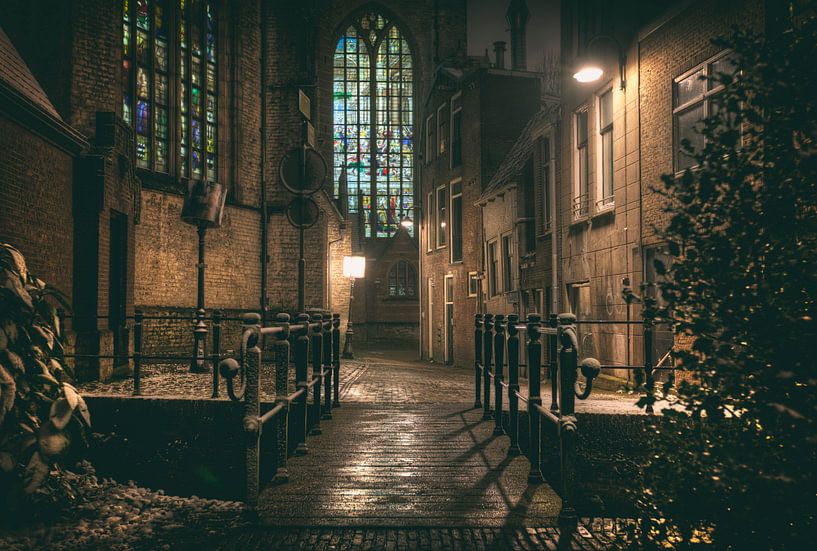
column 554, row 230
column 263, row 142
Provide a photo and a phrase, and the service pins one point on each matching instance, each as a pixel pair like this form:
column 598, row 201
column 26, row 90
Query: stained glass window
column 149, row 46
column 373, row 123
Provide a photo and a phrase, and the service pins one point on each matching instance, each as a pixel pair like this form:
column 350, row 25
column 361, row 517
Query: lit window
column 582, row 190
column 605, row 197
column 442, row 217
column 431, row 144
column 373, row 122
column 430, row 221
column 402, row 280
column 148, row 42
column 442, row 129
column 692, row 102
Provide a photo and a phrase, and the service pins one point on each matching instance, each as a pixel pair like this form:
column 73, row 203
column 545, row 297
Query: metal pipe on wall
column 264, row 259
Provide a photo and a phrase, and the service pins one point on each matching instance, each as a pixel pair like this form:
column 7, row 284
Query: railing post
column 568, row 364
column 281, row 348
column 138, row 317
column 336, row 357
column 534, row 395
column 216, row 355
column 327, row 365
column 499, row 368
column 317, row 358
column 488, row 346
column 649, row 328
column 513, row 383
column 301, row 353
column 251, row 356
column 553, row 356
column 478, row 360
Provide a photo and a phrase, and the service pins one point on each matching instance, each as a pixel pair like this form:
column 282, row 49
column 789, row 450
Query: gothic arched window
column 373, row 122
column 402, row 280
column 174, row 118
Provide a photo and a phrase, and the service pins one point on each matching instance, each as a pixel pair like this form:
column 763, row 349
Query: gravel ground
column 175, row 380
column 115, row 516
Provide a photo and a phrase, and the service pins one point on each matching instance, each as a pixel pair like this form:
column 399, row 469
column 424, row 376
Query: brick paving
column 406, row 463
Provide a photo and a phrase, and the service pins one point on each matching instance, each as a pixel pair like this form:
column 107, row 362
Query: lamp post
column 203, row 207
column 354, row 267
column 589, row 69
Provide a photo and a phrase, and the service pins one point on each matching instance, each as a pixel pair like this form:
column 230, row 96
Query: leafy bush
column 41, row 415
column 738, row 463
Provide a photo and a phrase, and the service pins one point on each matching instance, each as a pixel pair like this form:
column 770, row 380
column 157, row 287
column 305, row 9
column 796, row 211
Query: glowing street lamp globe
column 354, row 266
column 588, row 74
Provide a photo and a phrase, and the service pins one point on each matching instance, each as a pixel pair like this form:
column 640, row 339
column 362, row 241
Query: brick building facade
column 121, row 243
column 609, row 143
column 469, row 127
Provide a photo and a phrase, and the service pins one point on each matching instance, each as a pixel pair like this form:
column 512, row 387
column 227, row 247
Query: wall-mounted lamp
column 589, row 69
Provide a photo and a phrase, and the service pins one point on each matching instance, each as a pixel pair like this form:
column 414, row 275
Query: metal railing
column 580, row 206
column 139, row 357
column 496, row 346
column 316, row 336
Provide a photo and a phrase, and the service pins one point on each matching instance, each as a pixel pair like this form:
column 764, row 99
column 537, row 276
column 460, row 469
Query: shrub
column 738, row 463
column 43, row 419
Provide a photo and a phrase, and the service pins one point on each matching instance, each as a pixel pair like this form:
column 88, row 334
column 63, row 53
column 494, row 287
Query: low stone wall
column 610, row 450
column 182, row 446
column 399, row 334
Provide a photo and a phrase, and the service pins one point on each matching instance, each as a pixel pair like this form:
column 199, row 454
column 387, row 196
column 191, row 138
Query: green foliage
column 740, row 458
column 41, row 414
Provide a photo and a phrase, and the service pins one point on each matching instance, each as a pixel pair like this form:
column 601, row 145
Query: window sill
column 455, row 263
column 579, row 221
column 605, row 210
column 390, row 298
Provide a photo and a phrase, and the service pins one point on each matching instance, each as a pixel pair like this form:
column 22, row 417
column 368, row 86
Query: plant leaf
column 35, row 473
column 52, row 441
column 60, row 413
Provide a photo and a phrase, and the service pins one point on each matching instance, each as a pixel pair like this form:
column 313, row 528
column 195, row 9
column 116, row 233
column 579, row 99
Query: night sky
column 486, row 24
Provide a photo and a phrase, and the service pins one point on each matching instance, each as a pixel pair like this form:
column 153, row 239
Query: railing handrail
column 497, row 348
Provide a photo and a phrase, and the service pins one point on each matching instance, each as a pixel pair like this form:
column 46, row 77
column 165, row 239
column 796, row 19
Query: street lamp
column 354, row 267
column 203, row 207
column 589, row 69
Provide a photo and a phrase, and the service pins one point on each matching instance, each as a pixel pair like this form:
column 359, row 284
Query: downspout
column 554, row 231
column 263, row 190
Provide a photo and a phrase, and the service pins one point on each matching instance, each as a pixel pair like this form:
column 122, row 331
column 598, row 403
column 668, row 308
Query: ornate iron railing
column 316, row 336
column 496, row 346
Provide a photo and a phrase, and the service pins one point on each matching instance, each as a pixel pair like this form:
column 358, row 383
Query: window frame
column 472, row 277
column 581, row 188
column 455, row 159
column 442, row 130
column 547, row 175
column 492, row 262
column 176, row 105
column 605, row 201
column 507, row 259
column 430, row 139
column 430, row 222
column 455, row 184
column 442, row 217
column 410, row 275
column 704, row 100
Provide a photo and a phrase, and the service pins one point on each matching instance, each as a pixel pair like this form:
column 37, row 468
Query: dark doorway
column 117, row 287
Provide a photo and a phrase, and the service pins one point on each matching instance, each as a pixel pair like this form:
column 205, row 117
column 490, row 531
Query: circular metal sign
column 302, row 212
column 303, row 170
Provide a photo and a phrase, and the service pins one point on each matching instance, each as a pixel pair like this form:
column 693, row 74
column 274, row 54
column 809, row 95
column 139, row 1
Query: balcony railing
column 580, row 206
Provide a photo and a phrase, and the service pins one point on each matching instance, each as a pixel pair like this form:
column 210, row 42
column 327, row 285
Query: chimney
column 517, row 16
column 499, row 50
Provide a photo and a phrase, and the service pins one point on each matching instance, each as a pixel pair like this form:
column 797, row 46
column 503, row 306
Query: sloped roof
column 16, row 74
column 519, row 152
